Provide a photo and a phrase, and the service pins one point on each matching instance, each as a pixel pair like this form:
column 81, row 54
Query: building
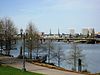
column 72, row 31
column 88, row 32
column 85, row 31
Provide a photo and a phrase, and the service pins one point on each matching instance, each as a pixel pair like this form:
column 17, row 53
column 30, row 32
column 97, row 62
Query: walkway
column 39, row 69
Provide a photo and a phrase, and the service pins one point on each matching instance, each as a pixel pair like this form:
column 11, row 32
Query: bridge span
column 71, row 39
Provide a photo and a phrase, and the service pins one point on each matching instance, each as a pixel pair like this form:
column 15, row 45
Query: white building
column 72, row 31
column 85, row 31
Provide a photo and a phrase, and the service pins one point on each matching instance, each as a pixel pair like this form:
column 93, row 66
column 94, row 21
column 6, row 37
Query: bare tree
column 58, row 54
column 1, row 24
column 38, row 44
column 32, row 37
column 9, row 30
column 74, row 55
column 48, row 48
column 54, row 52
column 1, row 35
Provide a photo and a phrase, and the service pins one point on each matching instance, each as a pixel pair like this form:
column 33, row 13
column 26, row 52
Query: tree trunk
column 21, row 51
column 31, row 54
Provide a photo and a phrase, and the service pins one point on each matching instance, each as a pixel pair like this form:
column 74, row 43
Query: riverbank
column 17, row 63
column 39, row 67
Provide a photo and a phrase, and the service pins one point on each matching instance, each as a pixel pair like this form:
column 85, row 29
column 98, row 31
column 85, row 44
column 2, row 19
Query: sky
column 53, row 14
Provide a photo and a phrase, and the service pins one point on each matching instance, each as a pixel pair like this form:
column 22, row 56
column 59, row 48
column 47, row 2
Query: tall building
column 85, row 31
column 72, row 31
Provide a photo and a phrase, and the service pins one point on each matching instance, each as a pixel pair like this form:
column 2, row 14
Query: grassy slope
column 6, row 70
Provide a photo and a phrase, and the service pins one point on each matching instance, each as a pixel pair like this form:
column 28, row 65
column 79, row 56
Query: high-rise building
column 85, row 31
column 72, row 31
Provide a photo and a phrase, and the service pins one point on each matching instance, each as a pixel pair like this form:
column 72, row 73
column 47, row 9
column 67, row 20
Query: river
column 91, row 51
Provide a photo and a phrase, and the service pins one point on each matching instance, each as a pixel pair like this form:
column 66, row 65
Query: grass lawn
column 7, row 70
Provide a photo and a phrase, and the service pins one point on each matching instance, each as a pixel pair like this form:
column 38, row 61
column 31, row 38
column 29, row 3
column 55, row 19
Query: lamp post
column 24, row 69
column 30, row 48
column 23, row 40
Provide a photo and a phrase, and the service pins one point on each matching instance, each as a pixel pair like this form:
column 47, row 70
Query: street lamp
column 21, row 34
column 30, row 48
column 23, row 40
column 24, row 69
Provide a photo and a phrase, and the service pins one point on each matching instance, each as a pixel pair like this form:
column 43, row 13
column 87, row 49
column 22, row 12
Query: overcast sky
column 53, row 14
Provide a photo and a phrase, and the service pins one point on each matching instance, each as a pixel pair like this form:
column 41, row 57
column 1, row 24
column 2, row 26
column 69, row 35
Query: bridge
column 71, row 39
column 67, row 39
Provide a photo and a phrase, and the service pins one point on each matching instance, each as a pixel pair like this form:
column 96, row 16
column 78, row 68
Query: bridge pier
column 51, row 40
column 58, row 40
column 41, row 41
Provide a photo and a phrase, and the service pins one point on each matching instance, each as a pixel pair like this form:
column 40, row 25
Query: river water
column 91, row 51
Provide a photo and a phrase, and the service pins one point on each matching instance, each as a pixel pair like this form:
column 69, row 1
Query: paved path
column 39, row 69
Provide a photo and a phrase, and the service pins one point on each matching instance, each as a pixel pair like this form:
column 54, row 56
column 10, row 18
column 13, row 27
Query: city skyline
column 53, row 14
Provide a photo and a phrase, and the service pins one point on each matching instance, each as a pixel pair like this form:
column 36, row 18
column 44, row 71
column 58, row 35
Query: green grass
column 7, row 70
